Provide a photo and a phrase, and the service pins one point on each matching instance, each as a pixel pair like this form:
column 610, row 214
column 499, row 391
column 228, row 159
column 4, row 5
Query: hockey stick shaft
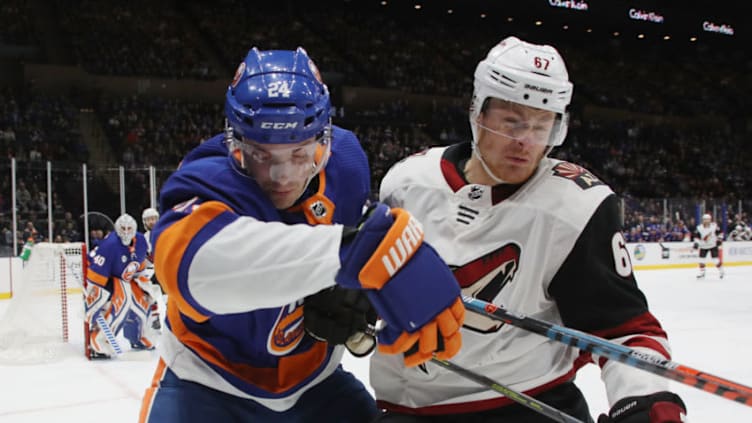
column 518, row 397
column 613, row 351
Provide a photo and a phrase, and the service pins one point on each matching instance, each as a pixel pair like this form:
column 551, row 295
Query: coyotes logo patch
column 577, row 174
column 484, row 278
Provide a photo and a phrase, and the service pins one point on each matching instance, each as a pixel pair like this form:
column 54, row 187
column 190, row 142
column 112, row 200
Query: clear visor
column 284, row 162
column 529, row 125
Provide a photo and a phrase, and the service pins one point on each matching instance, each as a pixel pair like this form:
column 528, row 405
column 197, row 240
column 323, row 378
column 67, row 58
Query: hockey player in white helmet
column 536, row 235
column 153, row 324
column 708, row 238
column 149, row 218
column 117, row 267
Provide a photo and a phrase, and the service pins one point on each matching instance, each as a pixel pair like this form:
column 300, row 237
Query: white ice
column 708, row 322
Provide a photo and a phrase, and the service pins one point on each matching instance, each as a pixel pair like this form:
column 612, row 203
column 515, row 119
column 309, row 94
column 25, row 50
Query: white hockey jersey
column 550, row 249
column 707, row 236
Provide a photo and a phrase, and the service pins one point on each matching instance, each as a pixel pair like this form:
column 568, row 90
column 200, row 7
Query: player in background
column 707, row 238
column 741, row 232
column 264, row 254
column 153, row 324
column 536, row 235
column 149, row 218
column 116, row 269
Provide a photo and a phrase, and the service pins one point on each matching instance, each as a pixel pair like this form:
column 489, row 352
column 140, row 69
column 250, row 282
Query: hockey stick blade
column 518, row 397
column 601, row 347
column 105, row 327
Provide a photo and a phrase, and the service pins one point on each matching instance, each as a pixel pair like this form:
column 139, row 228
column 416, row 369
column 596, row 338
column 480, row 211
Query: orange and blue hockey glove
column 407, row 282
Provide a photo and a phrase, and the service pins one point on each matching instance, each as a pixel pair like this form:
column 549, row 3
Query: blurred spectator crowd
column 647, row 134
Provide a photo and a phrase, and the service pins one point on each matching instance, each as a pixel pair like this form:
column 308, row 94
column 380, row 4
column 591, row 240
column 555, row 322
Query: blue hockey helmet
column 277, row 97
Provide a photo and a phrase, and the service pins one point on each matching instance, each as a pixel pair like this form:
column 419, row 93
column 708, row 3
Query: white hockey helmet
column 125, row 228
column 706, row 217
column 147, row 215
column 528, row 74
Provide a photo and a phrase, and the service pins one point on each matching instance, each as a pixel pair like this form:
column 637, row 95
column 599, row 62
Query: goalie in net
column 118, row 286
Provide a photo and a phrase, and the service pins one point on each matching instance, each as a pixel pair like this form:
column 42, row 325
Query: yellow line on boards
column 70, row 291
column 686, row 265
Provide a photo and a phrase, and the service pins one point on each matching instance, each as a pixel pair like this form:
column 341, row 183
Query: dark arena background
column 127, row 88
column 101, row 99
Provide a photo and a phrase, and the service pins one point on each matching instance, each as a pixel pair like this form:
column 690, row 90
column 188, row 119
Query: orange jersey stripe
column 290, row 370
column 171, row 246
column 148, row 399
column 96, row 278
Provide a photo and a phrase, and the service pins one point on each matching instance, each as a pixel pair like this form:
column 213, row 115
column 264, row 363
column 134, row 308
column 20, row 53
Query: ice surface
column 708, row 322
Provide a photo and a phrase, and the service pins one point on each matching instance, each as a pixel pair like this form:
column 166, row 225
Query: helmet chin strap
column 496, row 179
column 476, row 153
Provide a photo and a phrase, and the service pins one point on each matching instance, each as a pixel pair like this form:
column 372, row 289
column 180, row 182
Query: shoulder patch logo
column 577, row 174
column 318, row 209
column 475, row 193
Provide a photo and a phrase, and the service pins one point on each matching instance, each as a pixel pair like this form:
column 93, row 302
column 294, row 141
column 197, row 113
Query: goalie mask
column 125, row 228
column 278, row 125
column 522, row 76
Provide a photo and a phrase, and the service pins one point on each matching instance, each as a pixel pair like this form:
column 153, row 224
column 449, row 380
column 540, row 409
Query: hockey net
column 46, row 302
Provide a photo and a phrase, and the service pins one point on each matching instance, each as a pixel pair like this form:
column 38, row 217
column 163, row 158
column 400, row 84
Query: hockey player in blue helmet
column 266, row 259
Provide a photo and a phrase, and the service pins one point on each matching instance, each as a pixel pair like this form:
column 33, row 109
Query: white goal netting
column 46, row 303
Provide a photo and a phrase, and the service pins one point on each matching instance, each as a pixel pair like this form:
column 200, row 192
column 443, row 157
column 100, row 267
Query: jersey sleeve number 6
column 622, row 263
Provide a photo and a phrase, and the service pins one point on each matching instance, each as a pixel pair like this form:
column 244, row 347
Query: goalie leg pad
column 99, row 344
column 97, row 300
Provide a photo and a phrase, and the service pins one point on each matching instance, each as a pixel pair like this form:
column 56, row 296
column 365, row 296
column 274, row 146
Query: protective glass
column 284, row 162
column 540, row 128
